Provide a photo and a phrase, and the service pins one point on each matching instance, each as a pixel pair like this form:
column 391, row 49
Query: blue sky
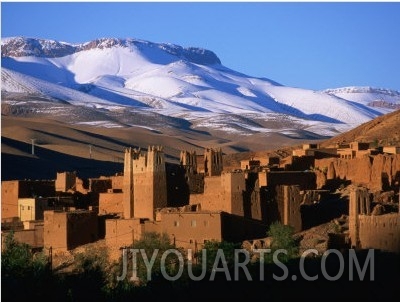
column 313, row 45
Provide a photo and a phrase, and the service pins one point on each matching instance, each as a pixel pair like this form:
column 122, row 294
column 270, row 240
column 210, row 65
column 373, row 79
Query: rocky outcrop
column 21, row 46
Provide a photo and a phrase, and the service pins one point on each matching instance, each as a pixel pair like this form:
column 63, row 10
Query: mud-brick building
column 391, row 149
column 298, row 208
column 12, row 190
column 356, row 150
column 30, row 209
column 305, row 179
column 222, row 193
column 377, row 172
column 123, row 232
column 111, row 203
column 144, row 182
column 66, row 230
column 192, row 229
column 187, row 227
column 367, row 229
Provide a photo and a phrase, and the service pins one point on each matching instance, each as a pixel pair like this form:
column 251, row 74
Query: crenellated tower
column 149, row 182
column 128, row 188
column 359, row 203
column 213, row 162
column 189, row 161
column 128, row 184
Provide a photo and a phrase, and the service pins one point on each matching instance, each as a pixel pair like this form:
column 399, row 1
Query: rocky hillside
column 382, row 131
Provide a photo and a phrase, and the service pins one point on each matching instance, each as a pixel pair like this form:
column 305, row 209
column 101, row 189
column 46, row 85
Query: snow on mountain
column 379, row 98
column 186, row 83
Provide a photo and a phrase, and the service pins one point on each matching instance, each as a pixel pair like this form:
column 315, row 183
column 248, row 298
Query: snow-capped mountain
column 181, row 86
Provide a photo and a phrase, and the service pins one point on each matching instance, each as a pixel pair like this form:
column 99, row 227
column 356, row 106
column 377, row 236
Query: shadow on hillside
column 46, row 163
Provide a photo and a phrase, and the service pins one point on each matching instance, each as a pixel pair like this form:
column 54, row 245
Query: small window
column 191, row 241
column 176, row 223
column 29, row 208
column 193, row 223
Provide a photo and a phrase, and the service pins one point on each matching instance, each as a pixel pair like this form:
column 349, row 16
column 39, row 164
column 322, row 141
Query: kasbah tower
column 145, row 184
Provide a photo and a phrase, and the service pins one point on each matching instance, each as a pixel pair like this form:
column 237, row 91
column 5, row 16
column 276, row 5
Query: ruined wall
column 289, row 200
column 81, row 186
column 359, row 146
column 306, row 180
column 269, row 160
column 380, row 232
column 195, row 183
column 256, row 206
column 292, row 214
column 298, row 163
column 111, row 203
column 374, row 172
column 100, row 185
column 372, row 231
column 65, row 181
column 253, row 206
column 359, row 203
column 249, row 164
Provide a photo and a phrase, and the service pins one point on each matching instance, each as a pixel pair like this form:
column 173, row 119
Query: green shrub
column 212, row 248
column 24, row 274
column 282, row 238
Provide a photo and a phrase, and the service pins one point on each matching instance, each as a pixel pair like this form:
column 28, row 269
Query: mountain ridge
column 118, row 80
column 21, row 46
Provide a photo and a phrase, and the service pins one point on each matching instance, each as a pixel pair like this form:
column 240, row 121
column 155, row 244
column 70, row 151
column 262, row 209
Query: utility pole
column 33, row 145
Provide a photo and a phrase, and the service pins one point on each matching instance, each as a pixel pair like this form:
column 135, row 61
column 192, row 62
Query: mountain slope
column 383, row 130
column 188, row 84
